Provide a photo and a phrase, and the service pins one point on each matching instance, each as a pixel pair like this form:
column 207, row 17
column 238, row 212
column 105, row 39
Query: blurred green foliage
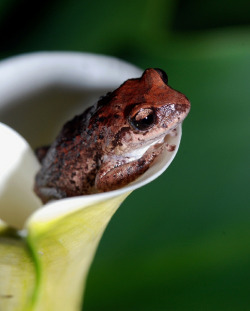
column 182, row 242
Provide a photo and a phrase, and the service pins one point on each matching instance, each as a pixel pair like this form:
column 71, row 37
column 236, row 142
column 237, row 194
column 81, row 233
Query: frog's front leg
column 118, row 173
column 113, row 176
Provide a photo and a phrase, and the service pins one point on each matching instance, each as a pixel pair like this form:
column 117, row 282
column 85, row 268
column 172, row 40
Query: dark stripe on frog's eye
column 128, row 109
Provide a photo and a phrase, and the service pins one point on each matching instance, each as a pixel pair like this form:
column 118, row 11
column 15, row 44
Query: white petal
column 18, row 166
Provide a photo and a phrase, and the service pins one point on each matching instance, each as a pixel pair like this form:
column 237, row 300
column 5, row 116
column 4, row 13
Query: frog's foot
column 170, row 148
column 116, row 175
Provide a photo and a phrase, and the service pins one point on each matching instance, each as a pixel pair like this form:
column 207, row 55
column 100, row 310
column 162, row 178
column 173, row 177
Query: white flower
column 38, row 93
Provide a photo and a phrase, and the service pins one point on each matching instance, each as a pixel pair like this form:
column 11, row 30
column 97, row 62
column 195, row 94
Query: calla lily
column 46, row 251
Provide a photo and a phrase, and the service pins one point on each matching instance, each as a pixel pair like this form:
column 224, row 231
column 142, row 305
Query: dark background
column 182, row 242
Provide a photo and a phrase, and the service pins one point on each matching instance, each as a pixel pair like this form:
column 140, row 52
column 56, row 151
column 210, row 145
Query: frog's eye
column 143, row 119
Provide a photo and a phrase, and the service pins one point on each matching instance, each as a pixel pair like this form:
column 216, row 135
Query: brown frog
column 113, row 142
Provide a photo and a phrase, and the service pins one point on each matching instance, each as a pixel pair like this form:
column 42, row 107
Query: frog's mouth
column 155, row 146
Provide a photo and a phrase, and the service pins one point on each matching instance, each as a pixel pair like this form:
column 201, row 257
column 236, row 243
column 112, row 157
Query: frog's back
column 69, row 165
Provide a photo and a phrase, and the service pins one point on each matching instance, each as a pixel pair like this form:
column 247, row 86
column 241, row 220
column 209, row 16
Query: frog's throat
column 137, row 153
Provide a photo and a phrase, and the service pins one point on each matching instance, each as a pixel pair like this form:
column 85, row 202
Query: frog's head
column 140, row 113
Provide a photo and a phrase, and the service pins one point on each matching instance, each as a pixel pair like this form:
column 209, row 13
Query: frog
column 113, row 142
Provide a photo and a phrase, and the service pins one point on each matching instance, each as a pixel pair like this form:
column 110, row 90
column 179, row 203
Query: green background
column 182, row 242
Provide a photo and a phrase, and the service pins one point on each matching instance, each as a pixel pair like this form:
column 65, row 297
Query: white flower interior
column 39, row 92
